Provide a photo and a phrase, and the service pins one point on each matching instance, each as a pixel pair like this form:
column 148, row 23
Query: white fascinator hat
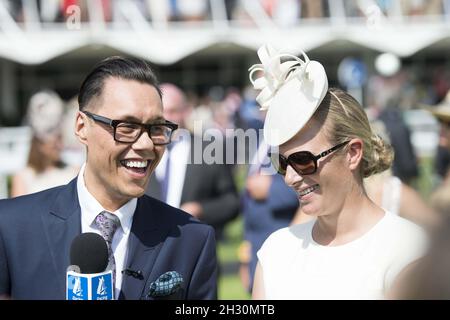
column 291, row 92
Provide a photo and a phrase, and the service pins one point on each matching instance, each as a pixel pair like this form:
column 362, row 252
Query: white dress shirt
column 179, row 158
column 90, row 208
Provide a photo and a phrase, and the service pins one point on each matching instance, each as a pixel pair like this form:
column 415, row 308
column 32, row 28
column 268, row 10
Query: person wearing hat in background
column 44, row 169
column 442, row 113
column 353, row 249
column 428, row 279
column 440, row 197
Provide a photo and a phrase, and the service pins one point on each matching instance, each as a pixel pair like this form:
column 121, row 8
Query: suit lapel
column 61, row 225
column 144, row 244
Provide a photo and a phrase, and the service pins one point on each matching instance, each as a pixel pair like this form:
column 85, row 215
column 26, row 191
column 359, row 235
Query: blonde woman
column 45, row 168
column 352, row 249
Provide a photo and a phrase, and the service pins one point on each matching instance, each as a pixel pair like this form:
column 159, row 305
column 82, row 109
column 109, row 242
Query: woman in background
column 44, row 169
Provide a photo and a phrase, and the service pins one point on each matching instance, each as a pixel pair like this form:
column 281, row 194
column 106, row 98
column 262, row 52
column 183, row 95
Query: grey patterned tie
column 108, row 223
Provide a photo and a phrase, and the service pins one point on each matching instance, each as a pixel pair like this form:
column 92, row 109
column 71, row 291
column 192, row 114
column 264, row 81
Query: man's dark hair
column 116, row 67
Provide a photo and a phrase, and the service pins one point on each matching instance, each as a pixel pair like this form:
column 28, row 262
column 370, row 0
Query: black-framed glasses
column 303, row 162
column 129, row 132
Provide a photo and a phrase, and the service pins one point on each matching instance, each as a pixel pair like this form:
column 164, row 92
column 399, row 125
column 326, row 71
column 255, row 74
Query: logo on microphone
column 102, row 288
column 77, row 288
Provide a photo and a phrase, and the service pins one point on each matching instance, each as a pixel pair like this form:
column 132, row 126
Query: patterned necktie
column 108, row 223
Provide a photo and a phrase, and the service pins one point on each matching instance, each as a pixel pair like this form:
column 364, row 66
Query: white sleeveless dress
column 294, row 266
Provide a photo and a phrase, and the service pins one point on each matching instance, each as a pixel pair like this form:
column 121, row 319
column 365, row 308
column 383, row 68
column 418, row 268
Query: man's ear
column 80, row 128
column 355, row 153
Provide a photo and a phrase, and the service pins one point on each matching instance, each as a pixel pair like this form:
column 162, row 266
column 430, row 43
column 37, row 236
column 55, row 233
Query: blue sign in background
column 352, row 73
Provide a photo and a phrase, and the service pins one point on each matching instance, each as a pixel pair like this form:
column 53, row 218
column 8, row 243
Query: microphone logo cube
column 95, row 286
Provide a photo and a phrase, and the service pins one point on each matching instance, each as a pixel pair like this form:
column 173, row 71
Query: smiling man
column 121, row 123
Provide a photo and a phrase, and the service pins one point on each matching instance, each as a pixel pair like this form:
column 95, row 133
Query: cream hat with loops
column 291, row 92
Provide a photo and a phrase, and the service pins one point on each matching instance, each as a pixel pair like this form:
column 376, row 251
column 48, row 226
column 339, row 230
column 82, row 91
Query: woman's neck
column 356, row 216
column 46, row 165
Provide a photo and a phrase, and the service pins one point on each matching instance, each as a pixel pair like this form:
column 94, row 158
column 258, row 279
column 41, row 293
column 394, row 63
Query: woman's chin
column 312, row 209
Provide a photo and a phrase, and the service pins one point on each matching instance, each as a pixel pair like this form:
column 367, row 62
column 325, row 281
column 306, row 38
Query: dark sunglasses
column 303, row 162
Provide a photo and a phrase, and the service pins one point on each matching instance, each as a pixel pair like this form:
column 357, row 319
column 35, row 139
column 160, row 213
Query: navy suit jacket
column 36, row 233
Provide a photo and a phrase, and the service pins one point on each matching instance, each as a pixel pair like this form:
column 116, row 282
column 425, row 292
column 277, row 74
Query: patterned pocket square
column 167, row 284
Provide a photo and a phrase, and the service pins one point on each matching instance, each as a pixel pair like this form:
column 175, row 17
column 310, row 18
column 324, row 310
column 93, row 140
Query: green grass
column 426, row 181
column 230, row 287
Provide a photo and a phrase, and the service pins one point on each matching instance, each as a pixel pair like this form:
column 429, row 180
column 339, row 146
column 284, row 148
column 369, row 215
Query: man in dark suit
column 185, row 179
column 36, row 231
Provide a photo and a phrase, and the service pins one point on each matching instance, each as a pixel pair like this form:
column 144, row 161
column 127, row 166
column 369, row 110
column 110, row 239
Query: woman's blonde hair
column 343, row 119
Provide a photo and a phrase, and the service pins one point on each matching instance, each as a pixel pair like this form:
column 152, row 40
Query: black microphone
column 86, row 278
column 89, row 251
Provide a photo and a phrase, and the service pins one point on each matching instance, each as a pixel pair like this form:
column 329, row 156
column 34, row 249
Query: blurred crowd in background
column 287, row 12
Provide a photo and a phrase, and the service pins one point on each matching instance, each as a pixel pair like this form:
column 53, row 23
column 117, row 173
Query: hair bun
column 380, row 158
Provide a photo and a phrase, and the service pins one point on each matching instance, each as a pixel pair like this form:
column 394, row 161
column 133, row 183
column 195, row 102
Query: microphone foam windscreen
column 89, row 251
